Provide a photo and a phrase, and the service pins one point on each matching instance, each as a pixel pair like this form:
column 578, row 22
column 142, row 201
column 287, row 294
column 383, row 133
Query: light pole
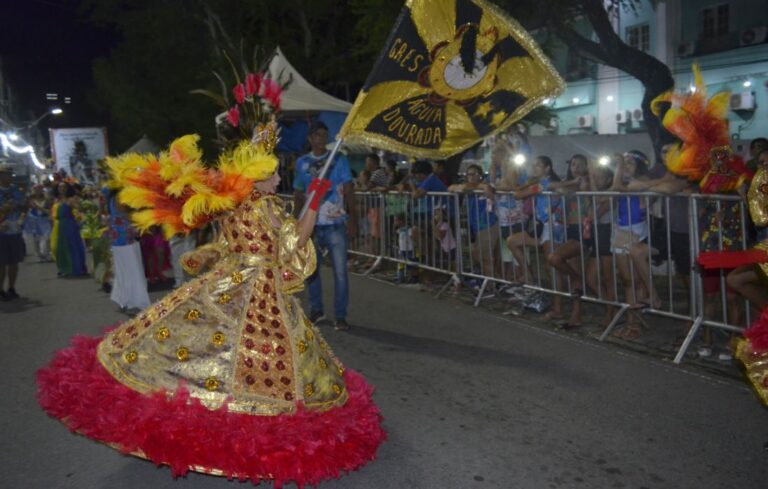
column 54, row 111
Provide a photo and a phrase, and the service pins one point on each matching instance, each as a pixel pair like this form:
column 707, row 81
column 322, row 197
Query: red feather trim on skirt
column 305, row 447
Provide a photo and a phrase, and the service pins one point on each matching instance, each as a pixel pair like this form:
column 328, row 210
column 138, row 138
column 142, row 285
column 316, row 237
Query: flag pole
column 321, row 175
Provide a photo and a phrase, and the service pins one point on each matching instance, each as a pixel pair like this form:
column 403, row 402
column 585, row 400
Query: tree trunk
column 611, row 50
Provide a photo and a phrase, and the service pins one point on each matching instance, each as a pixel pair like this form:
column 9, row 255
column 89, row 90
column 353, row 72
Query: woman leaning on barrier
column 546, row 229
column 564, row 257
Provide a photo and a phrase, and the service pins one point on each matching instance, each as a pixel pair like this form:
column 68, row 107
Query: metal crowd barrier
column 396, row 227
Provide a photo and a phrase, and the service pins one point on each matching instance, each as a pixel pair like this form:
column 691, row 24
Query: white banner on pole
column 77, row 151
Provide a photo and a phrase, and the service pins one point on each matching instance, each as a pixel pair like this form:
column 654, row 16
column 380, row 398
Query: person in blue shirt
column 12, row 248
column 420, row 182
column 336, row 220
column 483, row 223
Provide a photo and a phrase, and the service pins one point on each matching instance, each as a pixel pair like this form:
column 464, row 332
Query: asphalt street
column 470, row 400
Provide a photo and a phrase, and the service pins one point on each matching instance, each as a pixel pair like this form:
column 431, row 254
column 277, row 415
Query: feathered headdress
column 700, row 123
column 177, row 192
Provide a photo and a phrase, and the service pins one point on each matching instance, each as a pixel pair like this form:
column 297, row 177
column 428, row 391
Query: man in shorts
column 12, row 248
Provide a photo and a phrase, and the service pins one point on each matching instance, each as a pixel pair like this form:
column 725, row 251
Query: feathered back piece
column 177, row 192
column 700, row 124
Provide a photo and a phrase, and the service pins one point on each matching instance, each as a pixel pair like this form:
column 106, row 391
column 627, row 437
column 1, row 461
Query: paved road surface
column 470, row 399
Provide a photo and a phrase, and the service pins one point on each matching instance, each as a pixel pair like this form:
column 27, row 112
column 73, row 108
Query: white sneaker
column 725, row 356
column 705, row 351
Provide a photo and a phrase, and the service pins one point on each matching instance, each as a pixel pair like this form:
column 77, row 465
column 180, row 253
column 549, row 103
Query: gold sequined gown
column 237, row 332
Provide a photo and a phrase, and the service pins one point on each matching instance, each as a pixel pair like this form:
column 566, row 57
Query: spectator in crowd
column 483, row 223
column 70, row 249
column 407, row 236
column 631, row 228
column 678, row 246
column 12, row 207
column 564, row 257
column 363, row 181
column 439, row 170
column 37, row 224
column 756, row 146
column 547, row 231
column 443, row 233
column 510, row 212
column 422, row 181
column 129, row 284
column 597, row 232
column 337, row 218
column 380, row 181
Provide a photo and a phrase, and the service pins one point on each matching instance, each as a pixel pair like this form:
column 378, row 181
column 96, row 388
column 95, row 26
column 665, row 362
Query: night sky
column 47, row 46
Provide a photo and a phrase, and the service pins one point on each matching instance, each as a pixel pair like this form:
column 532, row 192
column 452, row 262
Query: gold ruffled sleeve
column 296, row 263
column 757, row 198
column 756, row 365
column 204, row 257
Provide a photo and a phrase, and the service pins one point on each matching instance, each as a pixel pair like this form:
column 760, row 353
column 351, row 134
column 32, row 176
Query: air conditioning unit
column 685, row 49
column 743, row 101
column 623, row 117
column 753, row 35
column 637, row 115
column 585, row 121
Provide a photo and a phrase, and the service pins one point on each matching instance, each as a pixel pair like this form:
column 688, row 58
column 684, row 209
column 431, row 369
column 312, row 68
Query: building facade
column 728, row 39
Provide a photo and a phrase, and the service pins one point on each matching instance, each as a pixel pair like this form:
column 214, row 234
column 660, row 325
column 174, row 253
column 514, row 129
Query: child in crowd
column 407, row 236
column 444, row 234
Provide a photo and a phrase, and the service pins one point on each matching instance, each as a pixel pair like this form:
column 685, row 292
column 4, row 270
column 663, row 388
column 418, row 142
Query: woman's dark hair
column 421, row 167
column 569, row 175
column 392, row 164
column 641, row 161
column 547, row 161
column 478, row 168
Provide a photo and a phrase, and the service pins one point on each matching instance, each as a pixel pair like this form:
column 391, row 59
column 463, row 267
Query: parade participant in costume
column 225, row 375
column 702, row 126
column 70, row 249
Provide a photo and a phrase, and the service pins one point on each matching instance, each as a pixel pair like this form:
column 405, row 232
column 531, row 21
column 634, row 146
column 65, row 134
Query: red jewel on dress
column 267, row 288
column 275, row 323
column 261, row 318
column 265, row 331
column 266, row 348
column 270, row 249
column 275, row 310
column 270, row 274
column 249, row 314
column 235, row 234
column 247, row 224
column 254, row 248
column 248, row 361
column 279, row 336
column 280, row 365
column 250, row 328
column 280, row 350
column 249, row 379
column 262, row 304
column 249, row 344
column 268, row 382
column 265, row 237
column 285, row 380
column 265, row 366
column 238, row 249
column 248, row 235
column 288, row 396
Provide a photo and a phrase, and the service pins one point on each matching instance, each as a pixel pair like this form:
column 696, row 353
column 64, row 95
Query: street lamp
column 54, row 111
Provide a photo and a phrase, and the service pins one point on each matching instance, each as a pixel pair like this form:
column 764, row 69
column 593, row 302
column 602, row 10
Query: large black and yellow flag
column 451, row 73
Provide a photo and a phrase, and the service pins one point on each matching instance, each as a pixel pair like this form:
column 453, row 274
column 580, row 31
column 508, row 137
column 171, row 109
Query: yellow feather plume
column 135, row 197
column 250, row 161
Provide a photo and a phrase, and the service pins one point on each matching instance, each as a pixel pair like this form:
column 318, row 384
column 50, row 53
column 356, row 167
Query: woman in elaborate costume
column 225, row 375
